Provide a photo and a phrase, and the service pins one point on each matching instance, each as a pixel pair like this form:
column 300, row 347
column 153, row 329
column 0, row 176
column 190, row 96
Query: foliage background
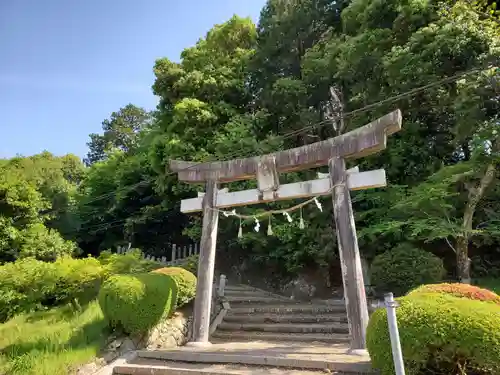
column 239, row 90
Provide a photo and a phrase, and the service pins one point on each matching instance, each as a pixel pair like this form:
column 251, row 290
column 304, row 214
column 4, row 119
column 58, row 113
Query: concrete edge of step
column 132, row 369
column 120, row 361
column 257, row 299
column 274, row 317
column 220, row 317
column 286, row 324
column 328, row 327
column 270, row 309
column 265, row 292
column 257, row 360
column 373, row 303
column 248, row 336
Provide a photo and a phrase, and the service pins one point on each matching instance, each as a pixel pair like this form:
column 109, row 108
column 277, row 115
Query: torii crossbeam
column 358, row 143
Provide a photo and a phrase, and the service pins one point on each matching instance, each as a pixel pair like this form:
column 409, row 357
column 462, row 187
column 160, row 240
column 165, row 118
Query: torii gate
column 358, row 143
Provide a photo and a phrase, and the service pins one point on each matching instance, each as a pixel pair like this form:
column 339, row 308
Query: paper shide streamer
column 269, row 228
column 285, row 213
column 257, row 225
column 301, row 220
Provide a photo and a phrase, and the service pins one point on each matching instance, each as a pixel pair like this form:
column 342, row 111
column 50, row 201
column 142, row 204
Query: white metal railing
column 397, row 355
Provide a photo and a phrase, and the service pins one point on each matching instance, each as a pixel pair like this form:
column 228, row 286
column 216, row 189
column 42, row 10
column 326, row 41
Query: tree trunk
column 474, row 196
column 463, row 263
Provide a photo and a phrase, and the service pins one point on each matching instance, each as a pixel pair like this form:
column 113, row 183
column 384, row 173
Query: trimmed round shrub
column 135, row 303
column 185, row 280
column 78, row 280
column 459, row 290
column 29, row 284
column 404, row 268
column 440, row 334
column 191, row 264
column 26, row 285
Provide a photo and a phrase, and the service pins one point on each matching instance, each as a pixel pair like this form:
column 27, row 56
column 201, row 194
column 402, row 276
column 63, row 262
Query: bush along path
column 444, row 329
column 263, row 333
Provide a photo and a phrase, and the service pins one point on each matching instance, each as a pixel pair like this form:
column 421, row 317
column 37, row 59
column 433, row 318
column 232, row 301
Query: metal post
column 392, row 321
column 174, row 253
column 222, row 285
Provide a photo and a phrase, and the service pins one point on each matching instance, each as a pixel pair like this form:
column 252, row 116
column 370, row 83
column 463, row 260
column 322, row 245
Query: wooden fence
column 177, row 253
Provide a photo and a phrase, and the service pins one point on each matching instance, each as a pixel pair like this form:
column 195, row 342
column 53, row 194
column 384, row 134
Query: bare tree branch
column 450, row 245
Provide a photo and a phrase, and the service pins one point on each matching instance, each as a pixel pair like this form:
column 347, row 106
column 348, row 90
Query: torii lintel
column 360, row 142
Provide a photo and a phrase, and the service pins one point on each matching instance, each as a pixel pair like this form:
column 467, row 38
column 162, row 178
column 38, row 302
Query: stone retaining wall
column 172, row 332
column 169, row 333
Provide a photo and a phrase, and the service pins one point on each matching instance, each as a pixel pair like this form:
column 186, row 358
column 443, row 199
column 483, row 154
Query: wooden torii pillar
column 358, row 143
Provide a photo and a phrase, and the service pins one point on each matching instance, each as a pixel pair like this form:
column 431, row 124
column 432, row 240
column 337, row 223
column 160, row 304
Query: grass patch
column 53, row 342
column 491, row 284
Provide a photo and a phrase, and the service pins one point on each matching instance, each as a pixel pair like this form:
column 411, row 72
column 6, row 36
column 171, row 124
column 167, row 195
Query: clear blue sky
column 66, row 65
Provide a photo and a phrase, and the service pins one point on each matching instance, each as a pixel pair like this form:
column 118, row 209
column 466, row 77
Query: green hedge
column 29, row 284
column 439, row 334
column 25, row 285
column 459, row 290
column 185, row 280
column 78, row 280
column 135, row 303
column 404, row 268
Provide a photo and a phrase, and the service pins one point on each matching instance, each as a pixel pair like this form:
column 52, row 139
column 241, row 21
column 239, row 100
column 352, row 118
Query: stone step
column 245, row 292
column 280, row 308
column 238, row 287
column 256, row 293
column 296, row 356
column 229, row 336
column 155, row 367
column 284, row 318
column 342, row 328
column 241, row 299
column 249, row 290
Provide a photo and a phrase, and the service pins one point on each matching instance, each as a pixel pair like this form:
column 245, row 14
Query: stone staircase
column 259, row 315
column 262, row 333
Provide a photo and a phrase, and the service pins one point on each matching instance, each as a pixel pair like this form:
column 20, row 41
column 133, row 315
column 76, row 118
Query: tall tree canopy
column 36, row 196
column 121, row 131
column 246, row 89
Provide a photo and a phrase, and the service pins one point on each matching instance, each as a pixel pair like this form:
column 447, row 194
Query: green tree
column 448, row 205
column 120, row 131
column 204, row 102
column 241, row 86
column 388, row 49
column 36, row 199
